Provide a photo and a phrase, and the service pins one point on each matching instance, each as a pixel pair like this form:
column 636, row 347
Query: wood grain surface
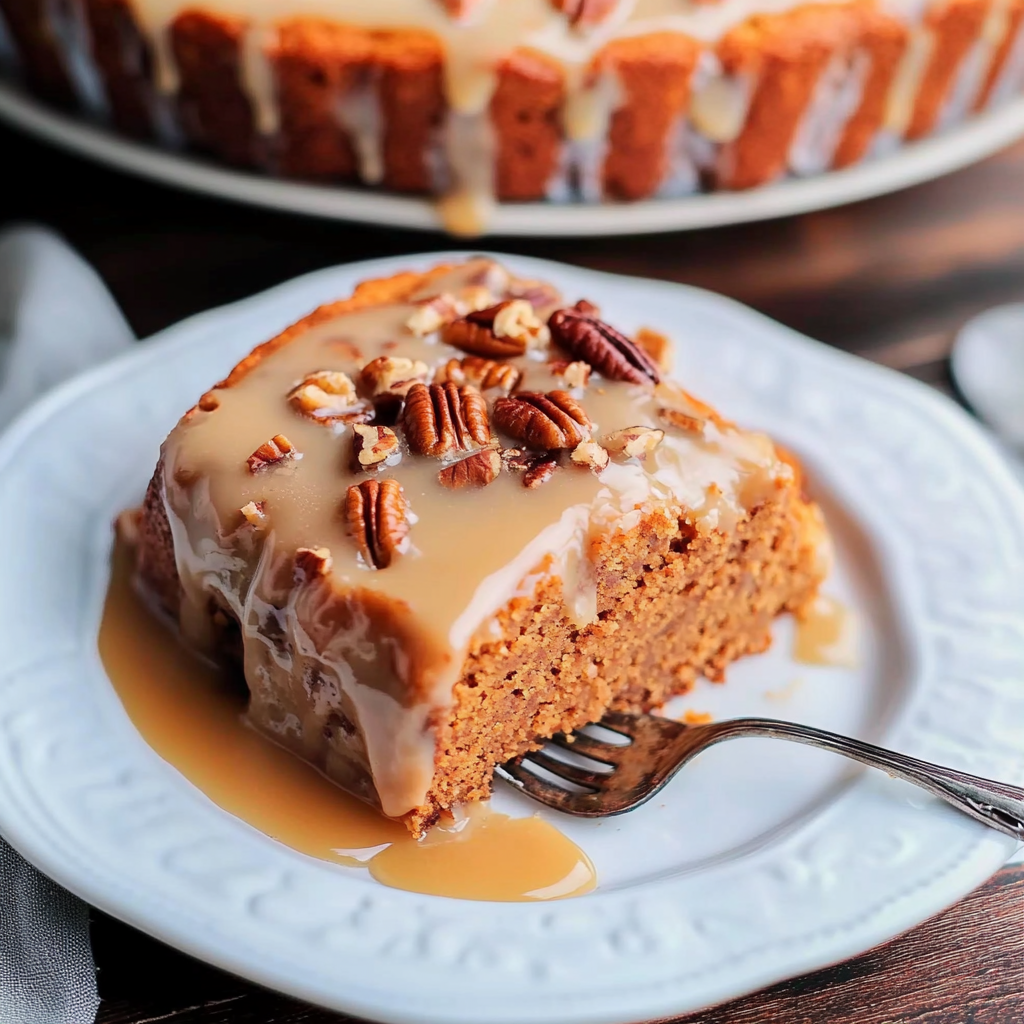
column 891, row 279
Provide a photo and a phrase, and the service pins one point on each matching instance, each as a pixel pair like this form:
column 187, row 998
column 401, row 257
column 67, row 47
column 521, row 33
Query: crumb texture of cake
column 453, row 515
column 526, row 99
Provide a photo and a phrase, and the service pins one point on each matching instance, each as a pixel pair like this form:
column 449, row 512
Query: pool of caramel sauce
column 194, row 718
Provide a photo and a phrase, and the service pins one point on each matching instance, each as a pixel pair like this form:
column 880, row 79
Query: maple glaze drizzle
column 192, row 715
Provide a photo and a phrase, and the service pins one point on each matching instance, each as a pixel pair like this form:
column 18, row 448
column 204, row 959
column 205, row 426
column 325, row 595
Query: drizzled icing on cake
column 477, row 36
column 388, row 644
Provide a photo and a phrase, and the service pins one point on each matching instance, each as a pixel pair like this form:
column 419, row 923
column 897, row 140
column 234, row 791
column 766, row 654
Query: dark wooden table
column 891, row 279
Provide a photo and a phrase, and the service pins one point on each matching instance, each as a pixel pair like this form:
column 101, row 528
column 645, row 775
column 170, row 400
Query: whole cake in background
column 453, row 514
column 526, row 99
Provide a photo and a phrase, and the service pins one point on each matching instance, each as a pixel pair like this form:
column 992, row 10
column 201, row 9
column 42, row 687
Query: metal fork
column 612, row 777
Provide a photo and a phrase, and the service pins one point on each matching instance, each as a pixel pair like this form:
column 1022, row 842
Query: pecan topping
column 504, row 330
column 312, row 562
column 607, row 350
column 443, row 418
column 590, row 455
column 481, row 373
column 326, row 396
column 657, row 346
column 372, row 447
column 543, row 422
column 585, row 12
column 432, row 315
column 476, row 470
column 575, row 374
column 254, row 513
column 391, row 375
column 540, row 472
column 271, row 452
column 209, row 401
column 375, row 512
column 683, row 420
column 634, row 442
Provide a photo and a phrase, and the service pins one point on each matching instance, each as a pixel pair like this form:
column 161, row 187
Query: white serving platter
column 908, row 165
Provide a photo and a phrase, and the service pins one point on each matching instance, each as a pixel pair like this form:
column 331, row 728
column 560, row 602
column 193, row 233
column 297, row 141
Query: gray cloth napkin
column 56, row 319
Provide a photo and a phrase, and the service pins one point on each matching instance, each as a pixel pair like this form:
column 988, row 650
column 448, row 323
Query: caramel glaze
column 353, row 670
column 193, row 716
column 826, row 634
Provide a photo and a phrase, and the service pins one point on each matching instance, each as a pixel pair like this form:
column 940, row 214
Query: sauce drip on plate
column 192, row 715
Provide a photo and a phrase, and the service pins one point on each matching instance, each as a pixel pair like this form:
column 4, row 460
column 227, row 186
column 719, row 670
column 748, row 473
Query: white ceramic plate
column 761, row 861
column 909, row 165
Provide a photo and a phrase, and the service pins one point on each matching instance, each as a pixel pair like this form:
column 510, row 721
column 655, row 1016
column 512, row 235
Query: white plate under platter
column 909, row 165
column 761, row 861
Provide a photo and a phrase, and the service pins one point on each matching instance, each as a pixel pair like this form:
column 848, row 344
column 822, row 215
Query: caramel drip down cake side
column 453, row 514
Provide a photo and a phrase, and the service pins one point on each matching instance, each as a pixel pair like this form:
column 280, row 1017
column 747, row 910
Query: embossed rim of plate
column 81, row 796
column 908, row 165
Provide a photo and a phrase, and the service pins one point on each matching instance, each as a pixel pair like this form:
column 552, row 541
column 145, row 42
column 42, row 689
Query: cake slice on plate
column 453, row 514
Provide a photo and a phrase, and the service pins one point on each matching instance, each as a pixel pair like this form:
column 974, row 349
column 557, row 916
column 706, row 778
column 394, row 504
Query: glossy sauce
column 826, row 635
column 192, row 716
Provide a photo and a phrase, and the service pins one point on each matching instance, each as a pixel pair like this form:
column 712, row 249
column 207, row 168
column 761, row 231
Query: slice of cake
column 452, row 515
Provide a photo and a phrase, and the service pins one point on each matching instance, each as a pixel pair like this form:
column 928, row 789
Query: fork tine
column 569, row 772
column 588, row 746
column 616, row 721
column 534, row 786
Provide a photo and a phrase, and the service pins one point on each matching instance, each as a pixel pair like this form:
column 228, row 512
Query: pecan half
column 607, row 350
column 391, row 375
column 543, row 422
column 270, row 453
column 590, row 455
column 443, row 418
column 505, row 330
column 481, row 373
column 476, row 470
column 325, row 396
column 372, row 447
column 377, row 519
column 312, row 562
column 634, row 442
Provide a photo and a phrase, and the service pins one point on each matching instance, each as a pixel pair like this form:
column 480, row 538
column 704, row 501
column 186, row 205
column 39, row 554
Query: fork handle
column 996, row 804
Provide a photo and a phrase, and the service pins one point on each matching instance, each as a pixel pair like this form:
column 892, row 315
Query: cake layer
column 449, row 516
column 531, row 99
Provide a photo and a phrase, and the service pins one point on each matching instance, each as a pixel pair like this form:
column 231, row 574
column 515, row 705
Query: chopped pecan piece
column 540, row 472
column 543, row 422
column 657, row 346
column 433, row 314
column 377, row 518
column 271, row 452
column 683, row 420
column 443, row 418
column 575, row 374
column 481, row 373
column 607, row 350
column 391, row 375
column 591, row 455
column 209, row 401
column 476, row 470
column 505, row 330
column 325, row 396
column 584, row 12
column 312, row 562
column 372, row 447
column 634, row 442
column 254, row 513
